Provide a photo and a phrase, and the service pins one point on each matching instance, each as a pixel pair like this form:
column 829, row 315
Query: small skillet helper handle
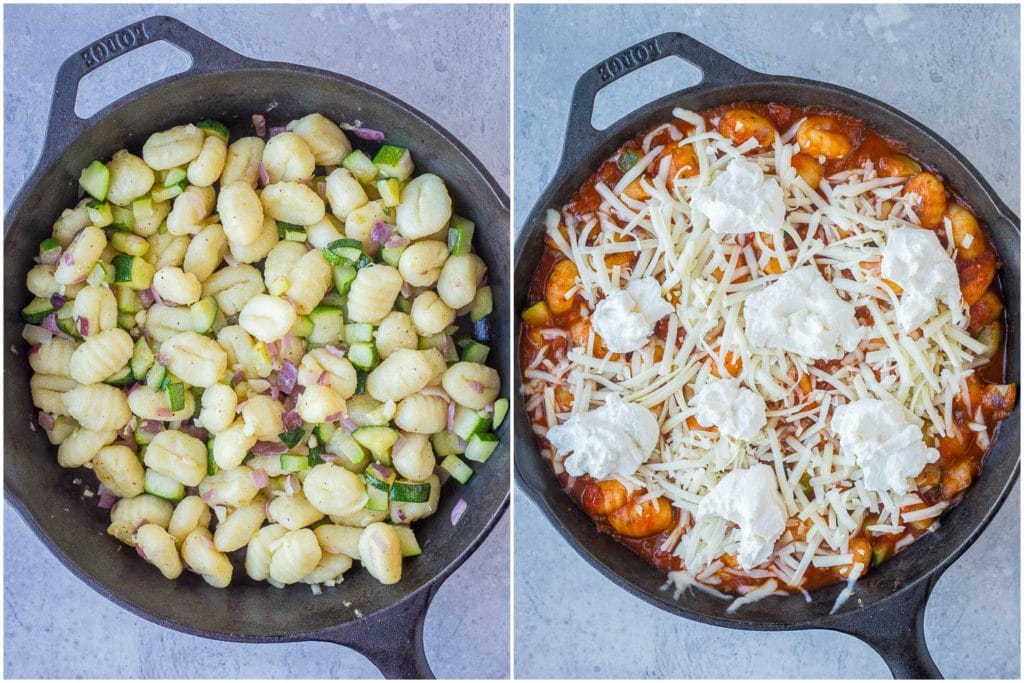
column 716, row 69
column 208, row 56
column 392, row 639
column 895, row 630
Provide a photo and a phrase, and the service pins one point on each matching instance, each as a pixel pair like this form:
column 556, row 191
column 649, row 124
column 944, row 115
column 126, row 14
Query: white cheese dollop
column 801, row 313
column 914, row 259
column 736, row 411
column 741, row 199
column 625, row 319
column 749, row 499
column 889, row 449
column 616, row 438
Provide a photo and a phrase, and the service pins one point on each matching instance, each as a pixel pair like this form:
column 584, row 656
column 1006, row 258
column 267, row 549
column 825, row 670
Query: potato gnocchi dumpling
column 268, row 350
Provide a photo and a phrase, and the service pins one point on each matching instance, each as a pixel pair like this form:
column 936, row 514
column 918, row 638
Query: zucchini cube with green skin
column 500, row 412
column 142, row 358
column 214, row 128
column 133, row 272
column 480, row 446
column 390, row 190
column 446, row 443
column 328, row 324
column 37, row 310
column 164, row 194
column 468, row 422
column 483, row 304
column 344, row 252
column 163, row 486
column 377, row 440
column 100, row 213
column 460, row 235
column 363, row 355
column 123, row 218
column 360, row 165
column 95, row 179
column 393, row 162
column 175, row 177
column 460, row 471
column 291, row 232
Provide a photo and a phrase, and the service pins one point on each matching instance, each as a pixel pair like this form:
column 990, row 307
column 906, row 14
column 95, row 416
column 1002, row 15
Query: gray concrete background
column 451, row 62
column 953, row 68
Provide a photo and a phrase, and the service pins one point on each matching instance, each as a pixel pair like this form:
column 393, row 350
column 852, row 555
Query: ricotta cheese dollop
column 625, row 319
column 750, row 499
column 802, row 313
column 914, row 259
column 616, row 438
column 736, row 411
column 889, row 449
column 741, row 199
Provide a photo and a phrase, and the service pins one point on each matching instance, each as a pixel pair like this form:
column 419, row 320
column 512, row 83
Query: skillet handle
column 716, row 69
column 65, row 125
column 392, row 639
column 895, row 630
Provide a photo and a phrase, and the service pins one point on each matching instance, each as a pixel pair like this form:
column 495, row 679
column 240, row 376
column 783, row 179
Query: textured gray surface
column 407, row 51
column 927, row 61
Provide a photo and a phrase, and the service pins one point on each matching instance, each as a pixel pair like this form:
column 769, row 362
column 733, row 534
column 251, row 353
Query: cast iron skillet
column 887, row 610
column 226, row 86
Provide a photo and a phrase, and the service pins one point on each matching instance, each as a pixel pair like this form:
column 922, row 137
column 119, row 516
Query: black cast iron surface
column 226, row 86
column 887, row 609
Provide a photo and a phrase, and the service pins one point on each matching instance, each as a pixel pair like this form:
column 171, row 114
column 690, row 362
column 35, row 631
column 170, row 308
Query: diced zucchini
column 164, row 487
column 291, row 232
column 261, row 361
column 328, row 324
column 358, row 332
column 410, row 492
column 127, row 300
column 343, row 252
column 214, row 128
column 474, row 352
column 142, row 358
column 377, row 440
column 446, row 443
column 480, row 447
column 500, row 411
column 133, row 271
column 343, row 444
column 393, row 162
column 460, row 471
column 100, row 273
column 303, row 326
column 126, row 321
column 404, row 305
column 537, row 314
column 204, row 313
column 390, row 190
column 376, row 499
column 434, row 341
column 407, row 539
column 379, row 478
column 363, row 355
column 359, row 165
column 324, row 431
column 460, row 235
column 483, row 304
column 292, row 436
column 175, row 176
column 360, row 382
column 143, row 437
column 95, row 179
column 122, row 218
column 176, row 396
column 333, row 299
column 48, row 246
column 99, row 213
column 68, row 327
column 294, row 463
column 163, row 194
column 391, row 255
column 142, row 209
column 344, row 276
column 211, row 463
column 315, row 456
column 122, row 377
column 363, row 261
column 468, row 422
column 129, row 243
column 37, row 310
column 155, row 377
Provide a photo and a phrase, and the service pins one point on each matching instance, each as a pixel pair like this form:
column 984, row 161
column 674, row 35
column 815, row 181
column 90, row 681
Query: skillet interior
column 45, row 494
column 925, row 558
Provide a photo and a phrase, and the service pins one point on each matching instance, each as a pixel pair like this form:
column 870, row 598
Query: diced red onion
column 291, row 420
column 349, row 425
column 107, row 500
column 83, row 326
column 338, row 351
column 401, row 514
column 43, row 335
column 152, row 426
column 435, row 391
column 476, row 386
column 328, row 457
column 406, row 290
column 464, row 310
column 322, row 379
column 210, row 496
column 489, row 407
column 462, row 444
column 287, row 376
column 286, row 344
column 237, row 377
column 163, row 359
column 293, row 400
column 272, row 348
column 240, row 407
column 195, row 432
column 259, row 122
column 156, row 295
column 58, row 300
column 50, row 323
column 68, row 258
column 458, row 510
column 207, row 541
column 47, row 421
column 164, row 412
column 275, row 393
column 381, row 471
column 147, row 298
column 396, row 241
column 260, row 478
column 276, row 130
column 264, row 176
column 269, row 448
column 334, row 417
column 367, row 133
column 399, row 442
column 381, row 232
column 141, row 553
column 291, row 484
column 451, row 416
